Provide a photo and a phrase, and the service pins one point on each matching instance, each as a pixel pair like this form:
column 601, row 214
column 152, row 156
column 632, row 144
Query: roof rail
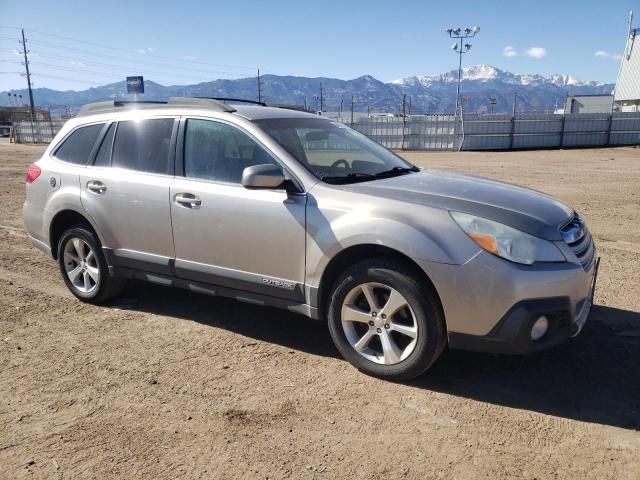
column 187, row 102
column 298, row 108
column 197, row 102
column 241, row 100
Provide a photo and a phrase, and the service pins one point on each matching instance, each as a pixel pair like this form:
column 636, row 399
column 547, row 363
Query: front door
column 225, row 234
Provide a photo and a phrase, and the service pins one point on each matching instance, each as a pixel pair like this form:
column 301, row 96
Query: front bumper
column 490, row 304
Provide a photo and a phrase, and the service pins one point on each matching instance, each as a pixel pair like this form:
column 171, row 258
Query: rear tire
column 386, row 322
column 84, row 268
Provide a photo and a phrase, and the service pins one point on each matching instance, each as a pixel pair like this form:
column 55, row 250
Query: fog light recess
column 539, row 328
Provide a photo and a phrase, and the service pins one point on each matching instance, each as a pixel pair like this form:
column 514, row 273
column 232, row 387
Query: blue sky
column 187, row 42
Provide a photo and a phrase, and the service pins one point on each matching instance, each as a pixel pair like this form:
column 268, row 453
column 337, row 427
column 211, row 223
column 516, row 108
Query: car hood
column 518, row 207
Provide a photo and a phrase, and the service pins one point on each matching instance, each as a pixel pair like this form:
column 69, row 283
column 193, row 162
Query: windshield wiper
column 396, row 171
column 349, row 177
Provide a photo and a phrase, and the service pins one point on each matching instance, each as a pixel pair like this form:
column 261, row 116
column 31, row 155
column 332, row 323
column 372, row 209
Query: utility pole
column 321, row 101
column 26, row 66
column 409, row 104
column 515, row 102
column 259, row 87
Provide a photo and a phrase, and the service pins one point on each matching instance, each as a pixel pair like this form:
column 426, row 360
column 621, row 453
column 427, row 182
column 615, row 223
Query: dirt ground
column 166, row 384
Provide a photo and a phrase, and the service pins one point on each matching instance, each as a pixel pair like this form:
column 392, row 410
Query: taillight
column 33, row 173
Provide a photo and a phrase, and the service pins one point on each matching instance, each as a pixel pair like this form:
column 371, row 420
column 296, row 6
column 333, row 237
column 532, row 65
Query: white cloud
column 536, row 52
column 509, row 51
column 605, row 54
column 142, row 51
column 75, row 62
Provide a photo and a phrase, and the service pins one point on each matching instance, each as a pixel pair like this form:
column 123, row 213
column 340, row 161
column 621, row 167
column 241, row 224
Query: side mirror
column 265, row 176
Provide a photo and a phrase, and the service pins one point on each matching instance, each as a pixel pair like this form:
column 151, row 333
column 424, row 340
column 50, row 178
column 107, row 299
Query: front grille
column 579, row 239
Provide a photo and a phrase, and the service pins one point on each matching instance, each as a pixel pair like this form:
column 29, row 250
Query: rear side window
column 143, row 145
column 103, row 158
column 77, row 147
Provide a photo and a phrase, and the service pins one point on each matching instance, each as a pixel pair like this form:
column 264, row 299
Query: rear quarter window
column 143, row 145
column 76, row 148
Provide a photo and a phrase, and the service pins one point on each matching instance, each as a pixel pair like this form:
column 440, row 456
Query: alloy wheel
column 379, row 323
column 81, row 265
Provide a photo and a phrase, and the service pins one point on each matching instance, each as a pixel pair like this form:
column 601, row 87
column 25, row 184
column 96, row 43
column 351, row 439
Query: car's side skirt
column 217, row 290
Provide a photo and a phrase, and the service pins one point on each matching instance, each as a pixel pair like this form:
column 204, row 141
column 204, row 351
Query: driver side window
column 219, row 152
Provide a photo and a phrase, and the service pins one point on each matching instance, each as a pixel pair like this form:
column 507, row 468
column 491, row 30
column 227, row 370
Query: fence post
column 609, row 129
column 12, row 130
column 404, row 117
column 51, row 125
column 513, row 130
column 33, row 130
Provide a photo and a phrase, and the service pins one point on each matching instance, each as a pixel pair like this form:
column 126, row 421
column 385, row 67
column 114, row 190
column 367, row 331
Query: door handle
column 188, row 200
column 95, row 186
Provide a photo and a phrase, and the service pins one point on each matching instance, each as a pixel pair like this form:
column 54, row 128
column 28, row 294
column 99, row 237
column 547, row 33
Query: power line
column 56, row 77
column 69, row 69
column 47, row 45
column 73, row 68
column 76, row 58
column 107, row 66
column 75, row 40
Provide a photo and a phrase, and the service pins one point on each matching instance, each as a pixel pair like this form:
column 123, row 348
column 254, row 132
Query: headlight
column 507, row 242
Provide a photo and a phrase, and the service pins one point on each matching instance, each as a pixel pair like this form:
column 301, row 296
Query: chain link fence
column 34, row 131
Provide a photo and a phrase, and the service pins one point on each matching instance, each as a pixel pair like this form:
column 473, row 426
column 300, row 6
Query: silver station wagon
column 280, row 207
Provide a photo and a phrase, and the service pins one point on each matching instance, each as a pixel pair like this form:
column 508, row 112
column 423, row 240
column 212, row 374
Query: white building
column 627, row 92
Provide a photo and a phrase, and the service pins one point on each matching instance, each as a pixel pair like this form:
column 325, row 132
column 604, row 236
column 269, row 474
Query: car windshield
column 334, row 152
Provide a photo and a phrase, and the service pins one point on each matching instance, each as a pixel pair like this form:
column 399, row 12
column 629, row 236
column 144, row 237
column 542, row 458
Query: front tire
column 384, row 321
column 84, row 268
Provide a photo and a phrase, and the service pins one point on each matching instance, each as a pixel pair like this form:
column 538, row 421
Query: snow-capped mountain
column 484, row 82
column 487, row 73
column 423, row 93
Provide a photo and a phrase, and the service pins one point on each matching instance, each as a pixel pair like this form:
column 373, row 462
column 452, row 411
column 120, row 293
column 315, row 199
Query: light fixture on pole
column 461, row 47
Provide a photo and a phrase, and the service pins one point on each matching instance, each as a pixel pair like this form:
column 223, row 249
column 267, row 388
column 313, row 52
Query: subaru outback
column 283, row 208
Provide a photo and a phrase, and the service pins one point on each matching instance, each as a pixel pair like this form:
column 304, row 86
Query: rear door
column 224, row 234
column 126, row 193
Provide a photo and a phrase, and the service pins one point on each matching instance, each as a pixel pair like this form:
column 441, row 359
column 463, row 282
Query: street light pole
column 460, row 35
column 460, row 52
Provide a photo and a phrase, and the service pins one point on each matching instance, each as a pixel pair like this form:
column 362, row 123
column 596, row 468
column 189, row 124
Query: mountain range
column 424, row 93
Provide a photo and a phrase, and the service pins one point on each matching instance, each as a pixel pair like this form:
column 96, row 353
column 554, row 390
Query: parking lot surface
column 165, row 384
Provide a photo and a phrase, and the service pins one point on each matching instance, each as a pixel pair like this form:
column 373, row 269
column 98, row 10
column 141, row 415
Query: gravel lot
column 168, row 384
